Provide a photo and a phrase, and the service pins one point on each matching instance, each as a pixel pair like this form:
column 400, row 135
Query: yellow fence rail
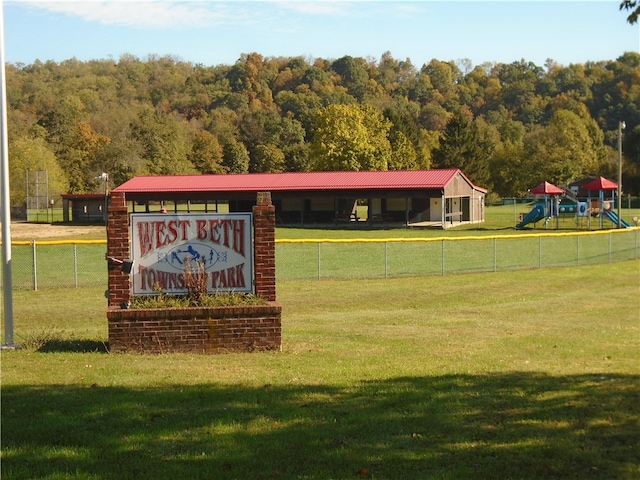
column 81, row 263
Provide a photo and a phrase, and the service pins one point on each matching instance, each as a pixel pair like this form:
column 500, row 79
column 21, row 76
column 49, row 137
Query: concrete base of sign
column 243, row 328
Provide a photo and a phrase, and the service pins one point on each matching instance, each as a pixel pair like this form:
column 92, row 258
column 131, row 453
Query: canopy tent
column 546, row 188
column 601, row 184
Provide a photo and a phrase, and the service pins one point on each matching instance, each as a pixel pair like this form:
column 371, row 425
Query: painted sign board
column 165, row 245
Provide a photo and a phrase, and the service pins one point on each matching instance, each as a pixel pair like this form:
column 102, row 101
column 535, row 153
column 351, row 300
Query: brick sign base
column 243, row 328
column 196, row 329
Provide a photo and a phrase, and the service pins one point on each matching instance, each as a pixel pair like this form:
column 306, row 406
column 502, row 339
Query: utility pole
column 4, row 200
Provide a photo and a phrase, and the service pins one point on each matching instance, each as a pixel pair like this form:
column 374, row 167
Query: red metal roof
column 547, row 188
column 601, row 183
column 293, row 181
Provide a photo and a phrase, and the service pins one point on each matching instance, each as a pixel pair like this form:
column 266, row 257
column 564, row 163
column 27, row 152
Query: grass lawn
column 524, row 374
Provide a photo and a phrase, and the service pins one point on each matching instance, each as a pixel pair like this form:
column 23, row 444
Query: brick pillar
column 118, row 248
column 264, row 246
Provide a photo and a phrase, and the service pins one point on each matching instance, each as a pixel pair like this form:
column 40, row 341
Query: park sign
column 166, row 246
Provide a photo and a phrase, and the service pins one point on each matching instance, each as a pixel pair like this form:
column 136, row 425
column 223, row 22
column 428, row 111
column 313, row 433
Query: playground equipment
column 549, row 206
column 604, row 206
column 534, row 216
column 554, row 202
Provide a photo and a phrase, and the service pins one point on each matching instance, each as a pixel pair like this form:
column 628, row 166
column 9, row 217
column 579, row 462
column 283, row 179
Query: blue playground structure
column 613, row 216
column 534, row 216
column 546, row 208
column 554, row 202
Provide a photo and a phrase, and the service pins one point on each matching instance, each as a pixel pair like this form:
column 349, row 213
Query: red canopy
column 546, row 188
column 601, row 183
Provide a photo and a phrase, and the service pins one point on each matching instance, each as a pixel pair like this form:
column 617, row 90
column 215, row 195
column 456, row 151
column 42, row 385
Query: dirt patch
column 22, row 231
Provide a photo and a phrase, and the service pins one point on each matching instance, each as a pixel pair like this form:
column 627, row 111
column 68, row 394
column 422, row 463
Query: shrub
column 197, row 293
column 162, row 300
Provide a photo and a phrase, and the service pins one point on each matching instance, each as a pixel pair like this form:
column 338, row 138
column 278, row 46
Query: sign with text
column 166, row 246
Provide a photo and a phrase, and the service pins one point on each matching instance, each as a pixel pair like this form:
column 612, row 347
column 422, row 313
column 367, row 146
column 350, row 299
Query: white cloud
column 322, row 7
column 147, row 13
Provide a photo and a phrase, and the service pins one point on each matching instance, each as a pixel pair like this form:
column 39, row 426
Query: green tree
column 403, row 155
column 266, row 159
column 164, row 143
column 353, row 75
column 301, row 106
column 510, row 175
column 463, row 146
column 235, row 157
column 61, row 124
column 561, row 152
column 350, row 137
column 206, row 153
column 443, row 76
column 632, row 6
column 31, row 154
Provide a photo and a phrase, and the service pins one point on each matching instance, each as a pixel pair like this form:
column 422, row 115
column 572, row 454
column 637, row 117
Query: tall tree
column 462, row 146
column 31, row 154
column 353, row 75
column 561, row 152
column 235, row 157
column 350, row 137
column 164, row 143
column 266, row 158
column 206, row 153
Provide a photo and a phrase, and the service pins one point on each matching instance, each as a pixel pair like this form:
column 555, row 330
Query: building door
column 435, row 209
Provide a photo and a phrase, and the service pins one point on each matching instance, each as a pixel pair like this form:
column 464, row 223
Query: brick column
column 264, row 246
column 118, row 247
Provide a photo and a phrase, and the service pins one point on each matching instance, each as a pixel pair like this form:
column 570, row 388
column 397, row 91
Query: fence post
column 318, row 264
column 578, row 250
column 495, row 253
column 385, row 259
column 539, row 252
column 75, row 265
column 35, row 265
column 442, row 250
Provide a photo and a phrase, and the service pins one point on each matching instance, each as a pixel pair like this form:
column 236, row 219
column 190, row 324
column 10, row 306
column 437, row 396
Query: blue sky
column 213, row 32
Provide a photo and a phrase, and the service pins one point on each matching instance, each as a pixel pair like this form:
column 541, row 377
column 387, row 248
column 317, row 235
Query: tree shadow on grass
column 511, row 425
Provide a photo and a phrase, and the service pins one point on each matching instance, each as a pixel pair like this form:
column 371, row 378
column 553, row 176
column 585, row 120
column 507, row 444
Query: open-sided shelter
column 442, row 198
column 84, row 207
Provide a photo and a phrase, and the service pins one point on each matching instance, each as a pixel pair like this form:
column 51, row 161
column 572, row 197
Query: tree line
column 507, row 126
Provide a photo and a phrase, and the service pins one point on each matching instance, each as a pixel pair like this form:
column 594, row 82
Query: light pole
column 621, row 127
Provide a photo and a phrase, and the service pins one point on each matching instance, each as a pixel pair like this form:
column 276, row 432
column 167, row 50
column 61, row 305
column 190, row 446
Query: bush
column 197, row 293
column 162, row 300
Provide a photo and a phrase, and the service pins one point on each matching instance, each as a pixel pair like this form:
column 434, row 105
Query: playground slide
column 613, row 216
column 533, row 216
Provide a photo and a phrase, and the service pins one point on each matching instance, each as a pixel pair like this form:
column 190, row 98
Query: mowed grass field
column 523, row 374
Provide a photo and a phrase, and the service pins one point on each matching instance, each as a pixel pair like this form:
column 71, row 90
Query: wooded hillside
column 507, row 126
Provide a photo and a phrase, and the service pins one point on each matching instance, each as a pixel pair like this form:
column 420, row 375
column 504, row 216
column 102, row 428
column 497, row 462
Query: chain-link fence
column 385, row 258
column 58, row 264
column 64, row 264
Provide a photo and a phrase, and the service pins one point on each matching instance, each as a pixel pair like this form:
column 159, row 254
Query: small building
column 84, row 208
column 438, row 198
